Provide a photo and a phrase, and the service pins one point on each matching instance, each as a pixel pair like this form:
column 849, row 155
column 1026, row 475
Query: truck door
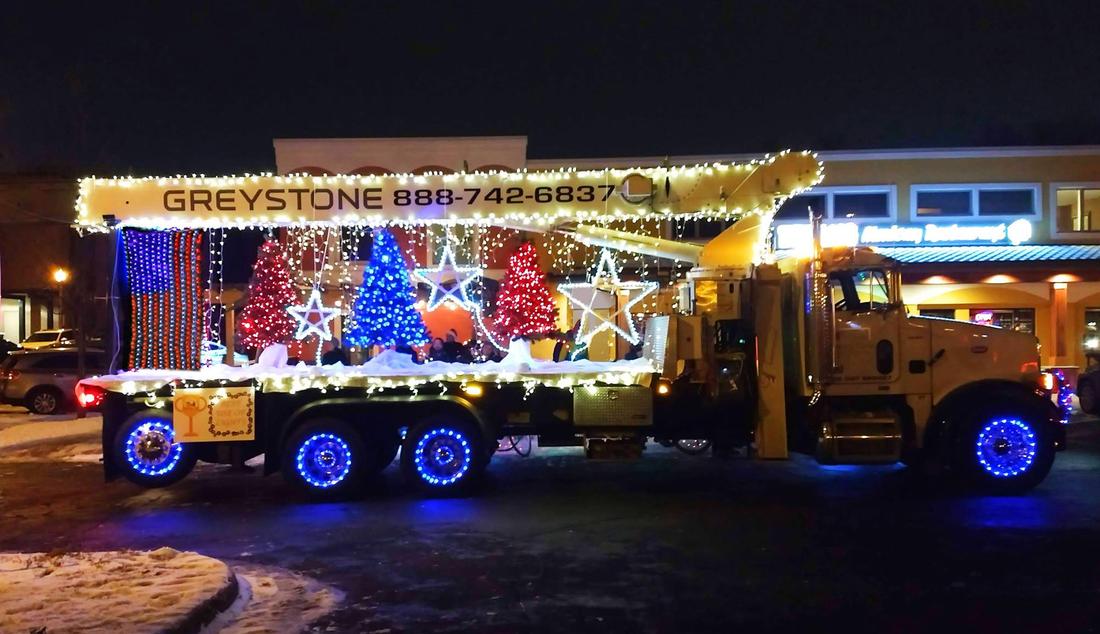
column 867, row 325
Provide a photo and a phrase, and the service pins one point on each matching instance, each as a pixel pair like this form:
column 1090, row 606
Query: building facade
column 36, row 239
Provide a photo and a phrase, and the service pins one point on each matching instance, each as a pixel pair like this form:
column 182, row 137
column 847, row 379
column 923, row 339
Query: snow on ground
column 130, row 591
column 81, row 451
column 118, row 591
column 34, row 431
column 274, row 600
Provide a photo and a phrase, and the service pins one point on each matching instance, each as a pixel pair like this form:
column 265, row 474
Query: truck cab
column 879, row 385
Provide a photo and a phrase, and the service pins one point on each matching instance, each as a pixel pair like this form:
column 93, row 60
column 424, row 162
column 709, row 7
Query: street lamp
column 60, row 276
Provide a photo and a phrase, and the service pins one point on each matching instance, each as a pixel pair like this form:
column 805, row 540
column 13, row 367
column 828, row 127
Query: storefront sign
column 797, row 236
column 214, row 414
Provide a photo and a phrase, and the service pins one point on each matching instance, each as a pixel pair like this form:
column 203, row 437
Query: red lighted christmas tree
column 523, row 305
column 264, row 320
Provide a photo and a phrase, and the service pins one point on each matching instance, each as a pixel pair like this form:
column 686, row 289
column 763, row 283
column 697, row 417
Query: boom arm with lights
column 540, row 201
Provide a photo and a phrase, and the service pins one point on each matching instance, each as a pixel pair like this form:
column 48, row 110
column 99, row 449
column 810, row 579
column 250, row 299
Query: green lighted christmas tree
column 264, row 320
column 383, row 312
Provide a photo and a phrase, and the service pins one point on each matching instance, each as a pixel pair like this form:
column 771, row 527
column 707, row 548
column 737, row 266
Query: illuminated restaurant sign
column 797, row 236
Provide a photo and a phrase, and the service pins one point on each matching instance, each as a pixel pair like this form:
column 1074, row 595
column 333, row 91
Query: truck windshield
column 856, row 291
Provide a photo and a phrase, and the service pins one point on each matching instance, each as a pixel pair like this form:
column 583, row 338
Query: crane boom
column 539, row 199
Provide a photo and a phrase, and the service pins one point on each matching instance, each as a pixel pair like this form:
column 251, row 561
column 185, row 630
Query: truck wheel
column 1007, row 453
column 443, row 457
column 325, row 458
column 1087, row 397
column 146, row 451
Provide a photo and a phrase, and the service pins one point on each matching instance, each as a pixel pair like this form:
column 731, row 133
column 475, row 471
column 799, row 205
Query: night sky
column 178, row 88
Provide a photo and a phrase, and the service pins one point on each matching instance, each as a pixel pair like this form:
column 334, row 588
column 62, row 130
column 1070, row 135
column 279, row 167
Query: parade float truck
column 812, row 353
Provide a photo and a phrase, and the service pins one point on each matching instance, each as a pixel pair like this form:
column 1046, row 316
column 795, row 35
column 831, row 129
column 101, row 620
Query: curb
column 205, row 612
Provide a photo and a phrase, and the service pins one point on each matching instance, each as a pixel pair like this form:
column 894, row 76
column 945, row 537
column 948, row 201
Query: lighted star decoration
column 602, row 292
column 307, row 326
column 463, row 276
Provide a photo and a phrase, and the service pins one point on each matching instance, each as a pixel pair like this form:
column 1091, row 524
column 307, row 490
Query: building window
column 936, row 204
column 1006, row 202
column 994, row 200
column 1092, row 320
column 1091, row 339
column 1018, row 319
column 798, row 207
column 840, row 203
column 1075, row 208
column 873, row 205
column 939, row 313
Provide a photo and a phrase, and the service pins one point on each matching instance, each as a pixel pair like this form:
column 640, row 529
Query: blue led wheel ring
column 323, row 460
column 151, row 449
column 1006, row 447
column 443, row 456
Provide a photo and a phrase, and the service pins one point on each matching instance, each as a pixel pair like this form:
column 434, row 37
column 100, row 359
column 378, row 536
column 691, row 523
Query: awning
column 973, row 254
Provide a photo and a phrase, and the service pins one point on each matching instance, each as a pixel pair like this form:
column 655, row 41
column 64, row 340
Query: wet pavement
column 671, row 543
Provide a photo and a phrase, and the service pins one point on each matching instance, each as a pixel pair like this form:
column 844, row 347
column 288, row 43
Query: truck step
column 864, row 438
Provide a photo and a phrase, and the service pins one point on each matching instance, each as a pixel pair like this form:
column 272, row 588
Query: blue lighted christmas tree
column 383, row 312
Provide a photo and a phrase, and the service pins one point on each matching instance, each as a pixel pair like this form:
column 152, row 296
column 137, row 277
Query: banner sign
column 208, row 414
column 847, row 234
column 517, row 198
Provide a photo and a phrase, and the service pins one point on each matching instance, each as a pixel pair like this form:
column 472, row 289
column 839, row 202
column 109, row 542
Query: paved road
column 671, row 543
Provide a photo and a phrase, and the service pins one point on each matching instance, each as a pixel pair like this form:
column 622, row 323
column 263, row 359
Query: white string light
column 435, row 277
column 605, row 281
column 313, row 306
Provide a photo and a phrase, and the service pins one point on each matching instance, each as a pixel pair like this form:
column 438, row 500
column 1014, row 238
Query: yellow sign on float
column 522, row 199
column 214, row 414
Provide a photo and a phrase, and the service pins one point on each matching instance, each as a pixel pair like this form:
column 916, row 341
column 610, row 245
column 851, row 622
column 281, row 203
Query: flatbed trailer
column 479, row 407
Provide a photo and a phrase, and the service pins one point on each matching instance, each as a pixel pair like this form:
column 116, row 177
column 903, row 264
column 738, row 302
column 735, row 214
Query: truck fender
column 968, row 399
column 417, row 407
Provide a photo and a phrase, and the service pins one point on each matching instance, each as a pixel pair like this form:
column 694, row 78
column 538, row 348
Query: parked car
column 1088, row 387
column 49, row 339
column 44, row 381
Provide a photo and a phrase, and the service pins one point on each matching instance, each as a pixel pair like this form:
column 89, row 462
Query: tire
column 45, row 401
column 442, row 457
column 1087, row 397
column 1007, row 449
column 145, row 451
column 326, row 459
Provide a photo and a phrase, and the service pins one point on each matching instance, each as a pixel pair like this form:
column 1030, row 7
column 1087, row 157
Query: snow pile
column 393, row 361
column 519, row 357
column 273, row 356
column 518, row 365
column 274, row 600
column 122, row 591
